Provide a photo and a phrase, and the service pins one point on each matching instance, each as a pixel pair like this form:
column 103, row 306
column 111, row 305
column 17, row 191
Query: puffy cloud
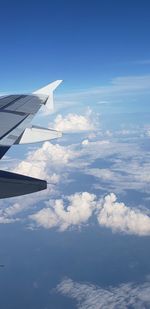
column 79, row 210
column 56, row 154
column 95, row 297
column 50, row 162
column 74, row 122
column 32, row 169
column 119, row 217
column 41, row 162
column 80, row 207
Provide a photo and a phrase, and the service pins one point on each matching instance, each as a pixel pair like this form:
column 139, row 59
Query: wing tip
column 48, row 89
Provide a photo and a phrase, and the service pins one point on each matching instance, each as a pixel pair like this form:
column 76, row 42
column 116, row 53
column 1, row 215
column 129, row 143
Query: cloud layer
column 123, row 165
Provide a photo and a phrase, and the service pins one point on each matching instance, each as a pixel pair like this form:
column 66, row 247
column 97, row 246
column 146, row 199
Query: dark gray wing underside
column 12, row 184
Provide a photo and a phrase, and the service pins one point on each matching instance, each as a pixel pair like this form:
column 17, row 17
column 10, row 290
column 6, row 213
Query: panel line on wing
column 30, row 104
column 13, row 112
column 12, row 101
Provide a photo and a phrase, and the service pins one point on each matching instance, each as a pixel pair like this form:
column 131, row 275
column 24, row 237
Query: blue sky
column 83, row 242
column 86, row 43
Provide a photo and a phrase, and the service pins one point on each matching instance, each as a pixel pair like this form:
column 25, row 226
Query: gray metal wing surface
column 16, row 114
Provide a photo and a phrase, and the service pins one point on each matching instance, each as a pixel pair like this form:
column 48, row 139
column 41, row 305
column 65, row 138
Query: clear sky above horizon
column 85, row 43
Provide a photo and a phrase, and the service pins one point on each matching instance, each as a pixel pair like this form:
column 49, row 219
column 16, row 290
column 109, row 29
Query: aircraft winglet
column 48, row 88
column 48, row 91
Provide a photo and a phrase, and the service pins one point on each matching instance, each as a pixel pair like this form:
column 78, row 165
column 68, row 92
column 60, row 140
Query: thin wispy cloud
column 141, row 62
column 121, row 85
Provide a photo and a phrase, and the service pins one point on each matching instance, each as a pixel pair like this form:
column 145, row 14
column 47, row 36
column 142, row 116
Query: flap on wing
column 37, row 134
column 12, row 184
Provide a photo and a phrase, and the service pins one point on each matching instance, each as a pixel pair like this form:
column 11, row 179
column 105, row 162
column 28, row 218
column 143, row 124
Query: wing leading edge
column 16, row 114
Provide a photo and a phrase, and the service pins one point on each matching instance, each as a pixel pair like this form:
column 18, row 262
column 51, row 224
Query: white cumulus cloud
column 41, row 162
column 74, row 122
column 119, row 217
column 78, row 211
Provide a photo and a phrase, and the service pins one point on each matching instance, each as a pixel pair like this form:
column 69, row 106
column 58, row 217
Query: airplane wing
column 16, row 114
